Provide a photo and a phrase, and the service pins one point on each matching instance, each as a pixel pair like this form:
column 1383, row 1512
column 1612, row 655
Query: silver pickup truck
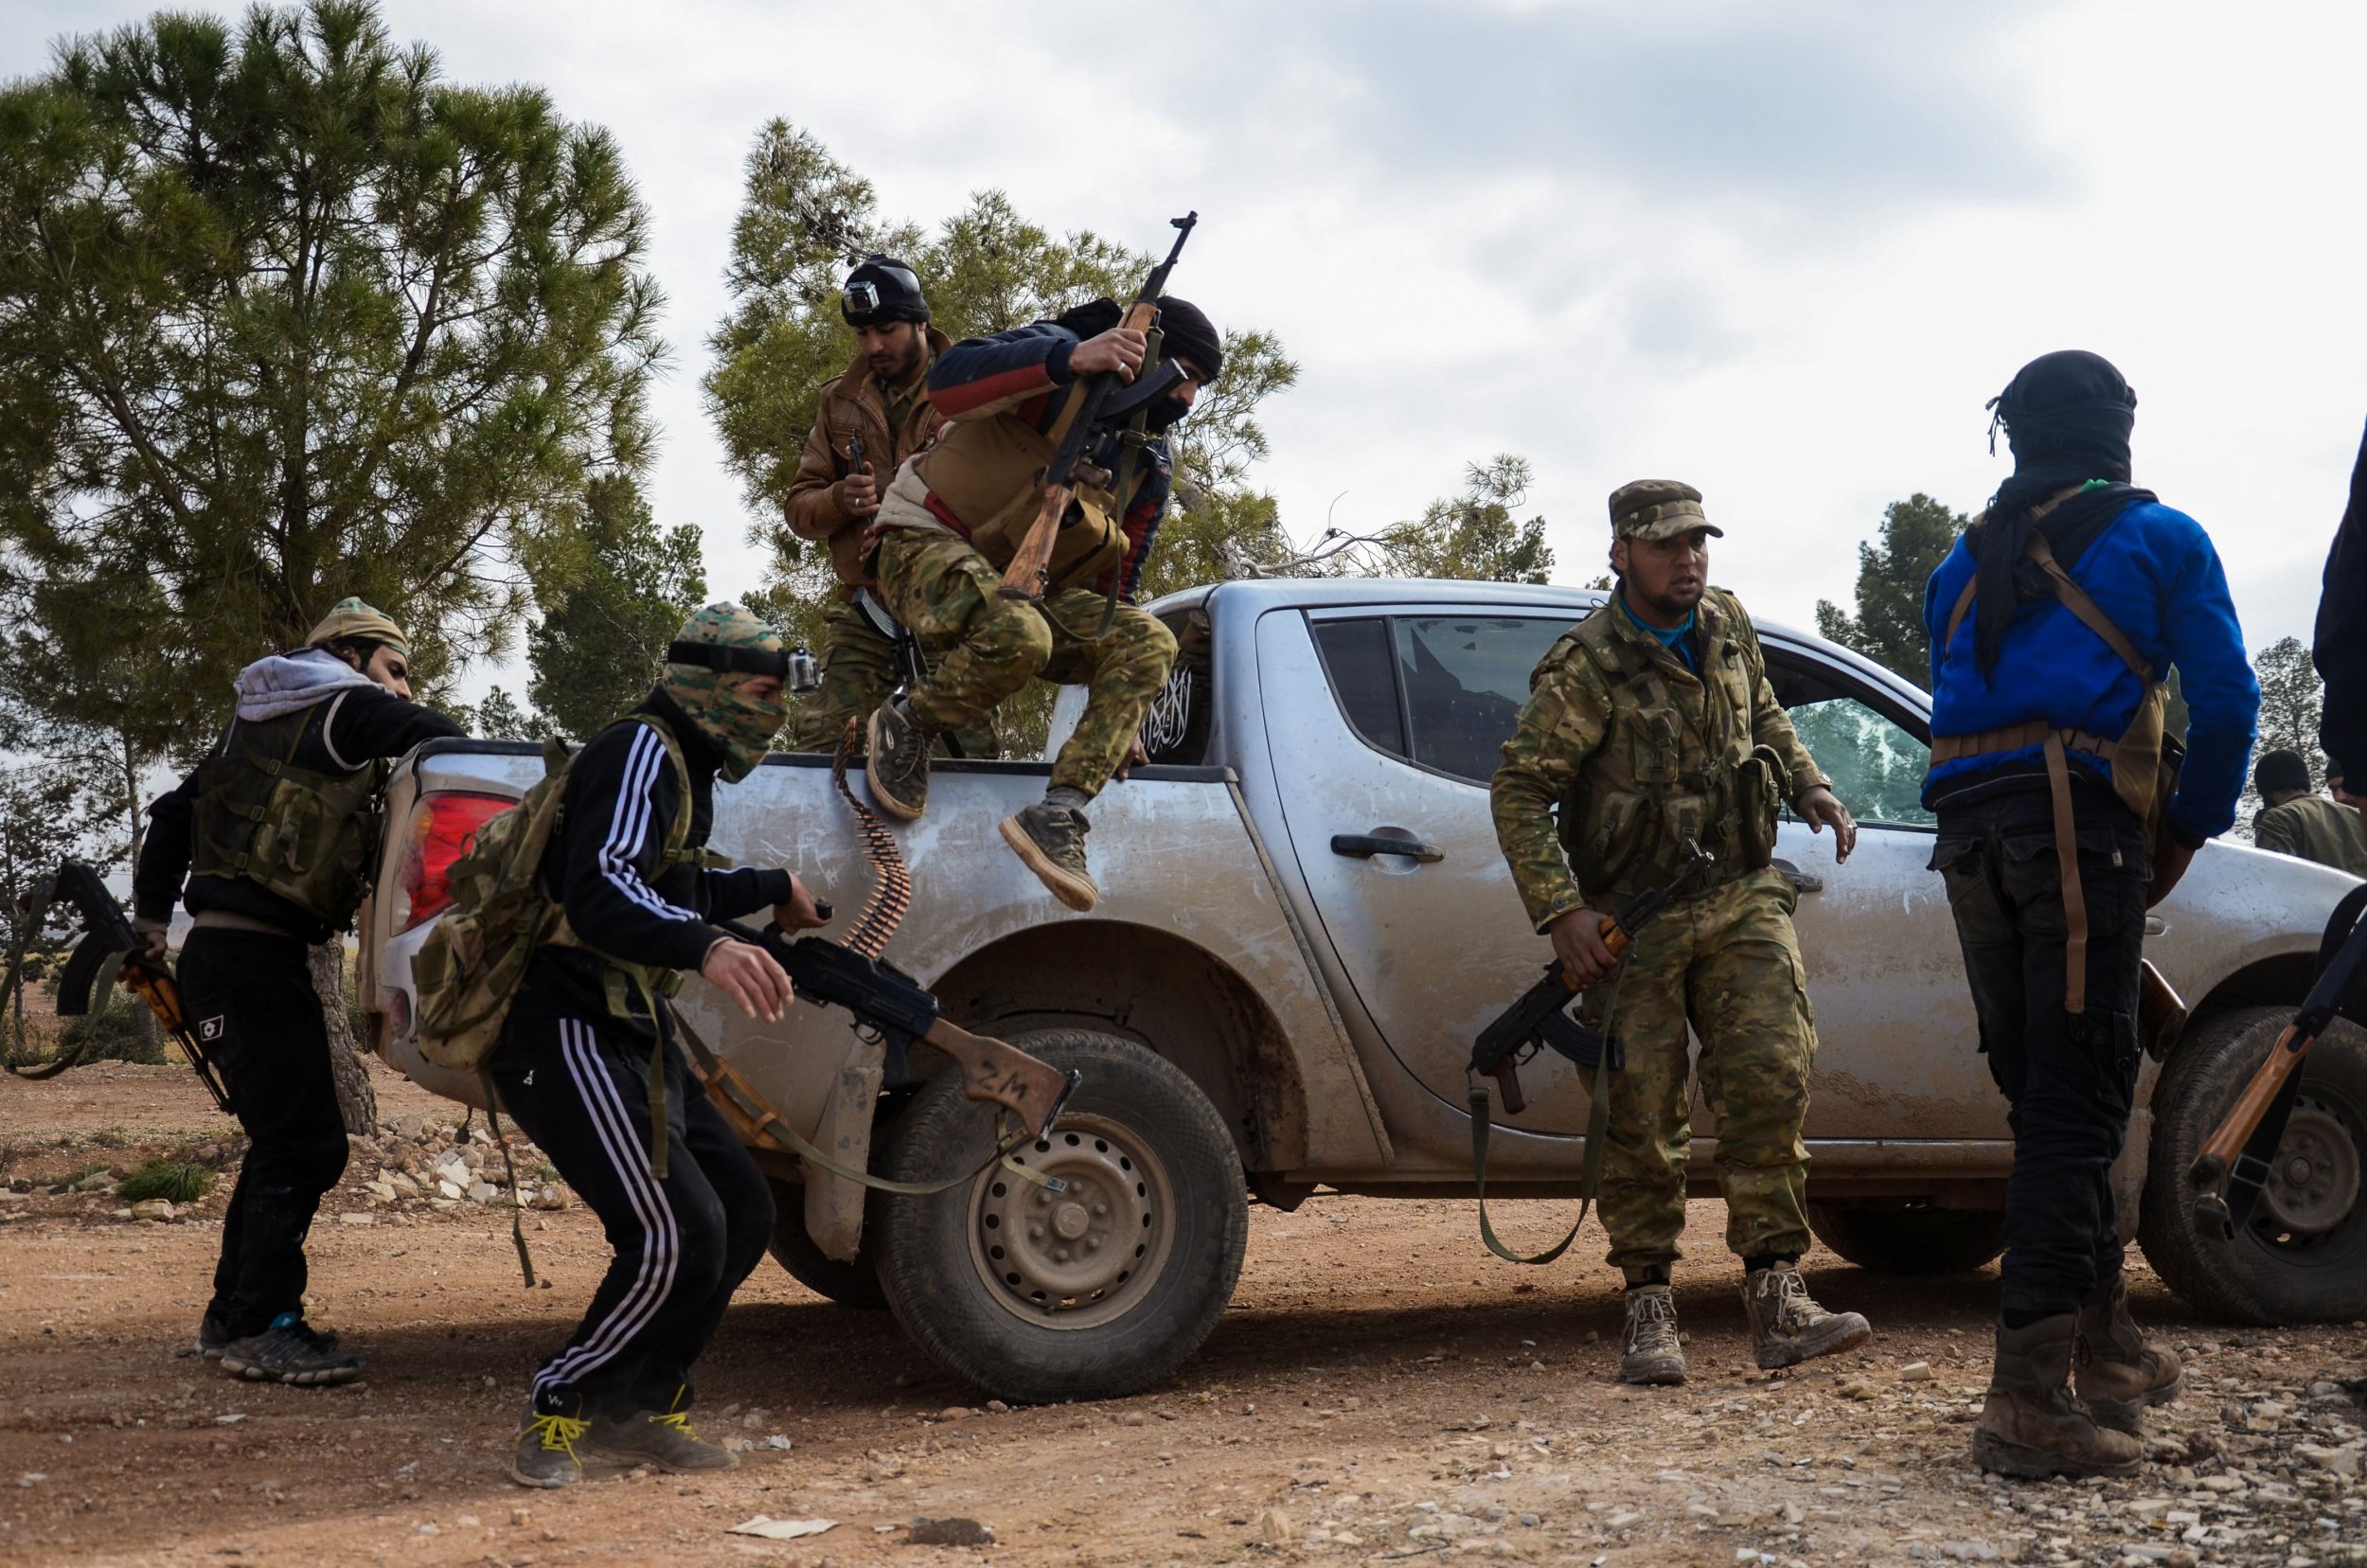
column 1305, row 922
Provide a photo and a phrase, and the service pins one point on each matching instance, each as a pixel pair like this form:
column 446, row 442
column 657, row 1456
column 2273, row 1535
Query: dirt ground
column 1381, row 1391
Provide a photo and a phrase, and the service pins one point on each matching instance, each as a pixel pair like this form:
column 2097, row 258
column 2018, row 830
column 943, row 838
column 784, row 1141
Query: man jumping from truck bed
column 951, row 522
column 1649, row 723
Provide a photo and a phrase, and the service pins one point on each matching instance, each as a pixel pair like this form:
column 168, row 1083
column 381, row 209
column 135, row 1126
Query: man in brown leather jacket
column 878, row 409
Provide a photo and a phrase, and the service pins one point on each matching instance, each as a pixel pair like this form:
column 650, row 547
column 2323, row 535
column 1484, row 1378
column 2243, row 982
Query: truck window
column 1442, row 691
column 1356, row 658
column 1464, row 679
column 1877, row 767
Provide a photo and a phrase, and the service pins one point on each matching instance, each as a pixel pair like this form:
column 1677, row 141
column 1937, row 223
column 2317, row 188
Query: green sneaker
column 546, row 1449
column 1051, row 840
column 666, row 1441
column 896, row 761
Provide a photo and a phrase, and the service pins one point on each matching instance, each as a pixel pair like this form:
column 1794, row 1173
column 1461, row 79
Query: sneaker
column 546, row 1449
column 1649, row 1352
column 2032, row 1425
column 666, row 1441
column 290, row 1351
column 211, row 1340
column 1051, row 839
column 2117, row 1371
column 1786, row 1324
column 895, row 760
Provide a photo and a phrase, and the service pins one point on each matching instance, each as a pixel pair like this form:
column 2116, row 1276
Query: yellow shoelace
column 560, row 1434
column 680, row 1421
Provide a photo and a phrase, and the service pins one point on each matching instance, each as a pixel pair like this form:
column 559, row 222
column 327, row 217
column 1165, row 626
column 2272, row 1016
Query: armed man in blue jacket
column 2063, row 816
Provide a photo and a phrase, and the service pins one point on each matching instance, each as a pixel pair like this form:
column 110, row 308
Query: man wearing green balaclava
column 587, row 1042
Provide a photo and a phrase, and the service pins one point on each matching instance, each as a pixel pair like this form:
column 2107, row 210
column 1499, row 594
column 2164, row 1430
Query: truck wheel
column 855, row 1283
column 2303, row 1258
column 1098, row 1291
column 1910, row 1241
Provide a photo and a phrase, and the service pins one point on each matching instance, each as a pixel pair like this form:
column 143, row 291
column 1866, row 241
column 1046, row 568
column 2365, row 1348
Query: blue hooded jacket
column 2154, row 574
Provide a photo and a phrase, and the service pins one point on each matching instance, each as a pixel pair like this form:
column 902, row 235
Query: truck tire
column 855, row 1283
column 2303, row 1258
column 1910, row 1241
column 1097, row 1292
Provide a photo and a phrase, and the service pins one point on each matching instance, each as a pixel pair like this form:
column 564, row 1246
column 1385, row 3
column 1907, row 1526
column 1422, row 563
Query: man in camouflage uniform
column 954, row 519
column 880, row 408
column 1649, row 723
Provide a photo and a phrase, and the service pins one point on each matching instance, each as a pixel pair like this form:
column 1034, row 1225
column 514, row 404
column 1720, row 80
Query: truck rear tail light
column 440, row 829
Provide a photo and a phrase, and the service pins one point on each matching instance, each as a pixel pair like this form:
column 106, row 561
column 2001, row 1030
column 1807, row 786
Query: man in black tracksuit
column 574, row 1064
column 298, row 765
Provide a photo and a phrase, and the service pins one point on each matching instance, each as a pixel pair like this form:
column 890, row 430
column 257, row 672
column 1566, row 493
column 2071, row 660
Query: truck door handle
column 1801, row 882
column 1365, row 846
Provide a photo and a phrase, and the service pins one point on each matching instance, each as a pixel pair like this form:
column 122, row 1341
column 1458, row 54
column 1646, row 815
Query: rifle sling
column 1591, row 1168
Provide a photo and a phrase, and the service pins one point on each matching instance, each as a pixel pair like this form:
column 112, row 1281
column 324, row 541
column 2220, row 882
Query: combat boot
column 1051, row 839
column 1649, row 1352
column 2032, row 1425
column 1786, row 1324
column 546, row 1449
column 666, row 1441
column 2118, row 1373
column 896, row 761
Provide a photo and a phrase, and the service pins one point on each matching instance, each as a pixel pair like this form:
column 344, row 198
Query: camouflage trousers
column 943, row 589
column 858, row 674
column 1729, row 961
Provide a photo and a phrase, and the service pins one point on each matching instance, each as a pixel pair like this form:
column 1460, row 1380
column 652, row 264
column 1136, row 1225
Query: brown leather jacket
column 851, row 407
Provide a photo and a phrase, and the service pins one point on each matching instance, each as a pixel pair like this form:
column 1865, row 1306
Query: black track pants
column 249, row 999
column 2070, row 1079
column 579, row 1089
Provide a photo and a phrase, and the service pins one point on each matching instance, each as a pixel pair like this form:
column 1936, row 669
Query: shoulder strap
column 2091, row 614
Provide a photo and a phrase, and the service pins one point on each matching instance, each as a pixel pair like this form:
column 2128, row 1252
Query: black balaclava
column 2067, row 415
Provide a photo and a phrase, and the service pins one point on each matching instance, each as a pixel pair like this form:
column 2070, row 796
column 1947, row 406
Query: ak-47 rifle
column 1106, row 395
column 2235, row 1163
column 111, row 949
column 1541, row 1019
column 884, row 998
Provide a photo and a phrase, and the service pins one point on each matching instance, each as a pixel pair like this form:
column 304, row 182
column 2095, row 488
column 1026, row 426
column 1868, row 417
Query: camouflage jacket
column 1635, row 754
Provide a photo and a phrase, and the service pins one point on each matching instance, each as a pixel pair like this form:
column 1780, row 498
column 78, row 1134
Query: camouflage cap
column 352, row 618
column 1658, row 508
column 724, row 625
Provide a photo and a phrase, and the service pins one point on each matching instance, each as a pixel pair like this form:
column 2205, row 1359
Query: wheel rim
column 1087, row 1254
column 2314, row 1180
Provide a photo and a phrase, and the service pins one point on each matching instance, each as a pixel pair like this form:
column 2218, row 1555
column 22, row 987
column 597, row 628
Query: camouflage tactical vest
column 1675, row 760
column 309, row 837
column 988, row 471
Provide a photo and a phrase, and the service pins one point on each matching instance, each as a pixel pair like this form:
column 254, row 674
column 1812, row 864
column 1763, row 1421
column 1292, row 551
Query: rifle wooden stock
column 998, row 1074
column 2218, row 1155
column 1030, row 567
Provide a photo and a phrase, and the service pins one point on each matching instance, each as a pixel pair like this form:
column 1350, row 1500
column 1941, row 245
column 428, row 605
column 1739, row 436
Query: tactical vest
column 1673, row 765
column 309, row 837
column 989, row 473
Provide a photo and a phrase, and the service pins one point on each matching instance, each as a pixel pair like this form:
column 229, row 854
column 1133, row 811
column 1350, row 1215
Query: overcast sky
column 1785, row 254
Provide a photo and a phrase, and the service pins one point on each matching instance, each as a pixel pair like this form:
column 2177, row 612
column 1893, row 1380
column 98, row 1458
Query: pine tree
column 2291, row 697
column 1916, row 537
column 285, row 317
column 601, row 642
